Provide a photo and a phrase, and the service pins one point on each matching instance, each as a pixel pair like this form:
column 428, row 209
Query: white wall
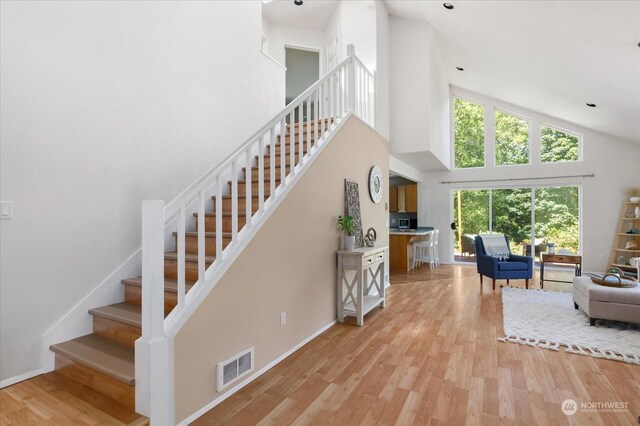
column 281, row 36
column 105, row 104
column 358, row 27
column 382, row 69
column 614, row 162
column 419, row 101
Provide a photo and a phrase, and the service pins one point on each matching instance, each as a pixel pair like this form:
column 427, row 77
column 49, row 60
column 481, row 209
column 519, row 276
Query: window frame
column 495, row 144
column 568, row 132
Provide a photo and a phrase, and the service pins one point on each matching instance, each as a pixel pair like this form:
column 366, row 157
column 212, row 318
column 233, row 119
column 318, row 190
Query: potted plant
column 347, row 225
column 634, row 195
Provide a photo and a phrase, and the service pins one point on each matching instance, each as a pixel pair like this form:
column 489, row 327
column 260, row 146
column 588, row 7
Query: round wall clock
column 375, row 184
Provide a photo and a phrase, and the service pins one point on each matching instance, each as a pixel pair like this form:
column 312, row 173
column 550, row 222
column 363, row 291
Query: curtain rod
column 444, row 182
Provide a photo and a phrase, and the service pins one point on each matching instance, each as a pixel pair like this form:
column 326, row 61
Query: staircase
column 104, row 359
column 188, row 245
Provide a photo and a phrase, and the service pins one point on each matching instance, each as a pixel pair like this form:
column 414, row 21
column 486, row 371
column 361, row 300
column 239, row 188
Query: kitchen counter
column 400, row 246
column 409, row 231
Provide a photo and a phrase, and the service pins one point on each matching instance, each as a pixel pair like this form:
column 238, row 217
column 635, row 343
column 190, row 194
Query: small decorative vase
column 349, row 242
column 635, row 199
column 637, row 211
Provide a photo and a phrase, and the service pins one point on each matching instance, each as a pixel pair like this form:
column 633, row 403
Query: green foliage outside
column 558, row 146
column 556, row 209
column 512, row 140
column 556, row 216
column 469, row 134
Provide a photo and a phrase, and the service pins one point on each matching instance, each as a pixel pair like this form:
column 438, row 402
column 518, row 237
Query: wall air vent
column 234, row 368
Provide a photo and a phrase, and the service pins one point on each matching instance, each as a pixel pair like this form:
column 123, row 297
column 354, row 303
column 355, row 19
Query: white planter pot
column 635, row 199
column 349, row 242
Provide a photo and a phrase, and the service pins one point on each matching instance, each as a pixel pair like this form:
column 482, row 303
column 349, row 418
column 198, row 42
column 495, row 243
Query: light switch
column 6, row 209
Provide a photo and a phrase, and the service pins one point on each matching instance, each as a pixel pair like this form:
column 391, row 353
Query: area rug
column 548, row 320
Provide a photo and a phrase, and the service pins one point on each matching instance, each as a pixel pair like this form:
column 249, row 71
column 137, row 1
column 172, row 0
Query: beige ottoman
column 610, row 303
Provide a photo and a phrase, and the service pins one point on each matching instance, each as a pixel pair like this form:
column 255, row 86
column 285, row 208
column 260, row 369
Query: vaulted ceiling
column 553, row 57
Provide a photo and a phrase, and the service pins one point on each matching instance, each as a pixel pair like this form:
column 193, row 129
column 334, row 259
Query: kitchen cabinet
column 393, row 199
column 411, row 198
column 403, row 198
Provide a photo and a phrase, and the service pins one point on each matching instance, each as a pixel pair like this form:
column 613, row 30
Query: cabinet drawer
column 368, row 260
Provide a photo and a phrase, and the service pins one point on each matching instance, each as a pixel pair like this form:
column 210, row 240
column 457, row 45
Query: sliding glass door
column 557, row 218
column 532, row 219
column 471, row 213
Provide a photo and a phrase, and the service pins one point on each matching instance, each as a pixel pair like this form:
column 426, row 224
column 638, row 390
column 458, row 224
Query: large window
column 558, row 146
column 508, row 211
column 469, row 134
column 512, row 140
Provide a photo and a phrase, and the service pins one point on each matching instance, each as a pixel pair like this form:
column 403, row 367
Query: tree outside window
column 512, row 140
column 469, row 134
column 558, row 146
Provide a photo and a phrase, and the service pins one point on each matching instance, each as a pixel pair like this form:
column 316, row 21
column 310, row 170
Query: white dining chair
column 423, row 251
column 436, row 251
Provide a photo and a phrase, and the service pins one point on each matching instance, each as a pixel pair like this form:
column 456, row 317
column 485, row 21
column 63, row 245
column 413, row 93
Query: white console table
column 355, row 295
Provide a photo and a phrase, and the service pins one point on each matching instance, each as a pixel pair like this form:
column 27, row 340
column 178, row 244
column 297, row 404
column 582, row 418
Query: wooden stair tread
column 170, row 284
column 103, row 355
column 125, row 313
column 188, row 257
column 207, row 234
column 223, row 214
column 241, row 197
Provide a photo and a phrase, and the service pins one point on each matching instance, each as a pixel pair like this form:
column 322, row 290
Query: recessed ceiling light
column 460, row 68
column 447, row 6
column 297, row 2
column 591, row 105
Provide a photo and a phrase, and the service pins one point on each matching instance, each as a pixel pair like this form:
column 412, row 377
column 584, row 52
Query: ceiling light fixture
column 297, row 2
column 591, row 105
column 447, row 6
column 460, row 68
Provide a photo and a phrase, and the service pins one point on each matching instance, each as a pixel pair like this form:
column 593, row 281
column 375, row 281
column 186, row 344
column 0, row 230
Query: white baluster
column 234, row 201
column 272, row 168
column 261, row 172
column 201, row 238
column 309, row 122
column 152, row 269
column 218, row 210
column 292, row 131
column 351, row 79
column 316, row 116
column 248, row 188
column 300, row 132
column 180, row 249
column 283, row 149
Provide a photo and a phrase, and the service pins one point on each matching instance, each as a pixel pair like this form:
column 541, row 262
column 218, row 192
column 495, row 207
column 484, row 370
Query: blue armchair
column 513, row 268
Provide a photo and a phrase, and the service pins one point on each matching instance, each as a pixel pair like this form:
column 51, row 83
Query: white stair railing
column 348, row 88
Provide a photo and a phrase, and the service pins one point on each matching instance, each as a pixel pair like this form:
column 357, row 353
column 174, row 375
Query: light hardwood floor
column 54, row 399
column 430, row 357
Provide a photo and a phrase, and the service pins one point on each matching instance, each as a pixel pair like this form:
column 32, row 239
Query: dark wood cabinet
column 393, row 199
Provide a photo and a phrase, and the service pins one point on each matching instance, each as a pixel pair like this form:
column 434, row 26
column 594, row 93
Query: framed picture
column 352, row 208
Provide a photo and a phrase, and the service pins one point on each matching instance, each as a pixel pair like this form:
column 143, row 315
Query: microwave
column 404, row 223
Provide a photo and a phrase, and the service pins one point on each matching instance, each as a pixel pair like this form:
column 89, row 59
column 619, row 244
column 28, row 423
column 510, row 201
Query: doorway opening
column 303, row 69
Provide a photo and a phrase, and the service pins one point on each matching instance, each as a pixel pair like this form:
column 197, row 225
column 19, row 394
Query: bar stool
column 436, row 251
column 423, row 251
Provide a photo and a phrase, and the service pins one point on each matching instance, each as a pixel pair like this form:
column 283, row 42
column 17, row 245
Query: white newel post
column 351, row 78
column 154, row 351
